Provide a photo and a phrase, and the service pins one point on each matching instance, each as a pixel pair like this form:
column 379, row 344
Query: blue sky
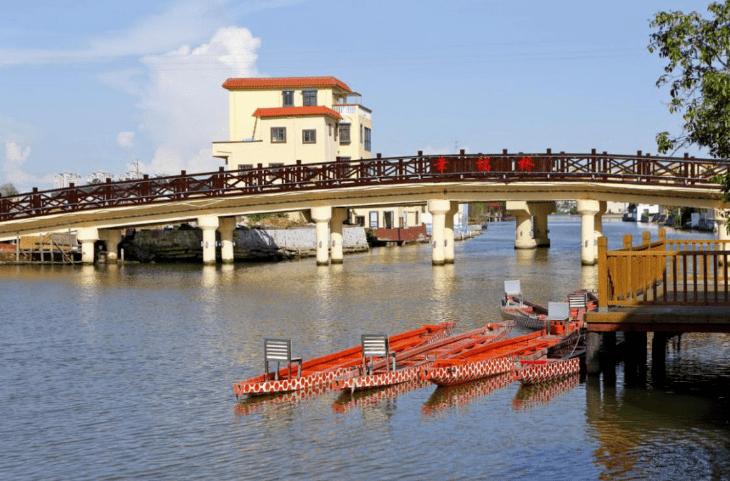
column 88, row 85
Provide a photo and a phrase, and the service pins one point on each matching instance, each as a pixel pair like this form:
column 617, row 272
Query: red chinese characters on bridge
column 526, row 164
column 483, row 164
column 440, row 164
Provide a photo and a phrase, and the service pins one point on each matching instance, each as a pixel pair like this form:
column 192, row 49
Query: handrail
column 667, row 272
column 680, row 172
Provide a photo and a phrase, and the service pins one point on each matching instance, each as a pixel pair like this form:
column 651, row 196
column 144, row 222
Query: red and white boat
column 322, row 370
column 408, row 363
column 499, row 357
column 531, row 315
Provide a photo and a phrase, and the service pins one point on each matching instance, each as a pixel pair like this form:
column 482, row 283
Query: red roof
column 284, row 82
column 296, row 111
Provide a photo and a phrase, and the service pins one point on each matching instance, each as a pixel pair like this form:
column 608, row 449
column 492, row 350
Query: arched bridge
column 592, row 177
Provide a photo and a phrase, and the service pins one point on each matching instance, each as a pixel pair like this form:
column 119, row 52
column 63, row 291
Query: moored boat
column 531, row 315
column 499, row 357
column 322, row 370
column 408, row 363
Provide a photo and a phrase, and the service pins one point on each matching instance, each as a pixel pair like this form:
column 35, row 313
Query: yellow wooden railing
column 664, row 272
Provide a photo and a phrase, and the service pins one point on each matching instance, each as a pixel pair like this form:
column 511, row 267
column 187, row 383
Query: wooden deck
column 663, row 286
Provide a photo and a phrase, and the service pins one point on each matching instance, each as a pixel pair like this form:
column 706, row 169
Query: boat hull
column 536, row 372
column 469, row 371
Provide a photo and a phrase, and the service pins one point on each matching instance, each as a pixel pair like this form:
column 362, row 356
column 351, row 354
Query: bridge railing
column 499, row 168
column 665, row 272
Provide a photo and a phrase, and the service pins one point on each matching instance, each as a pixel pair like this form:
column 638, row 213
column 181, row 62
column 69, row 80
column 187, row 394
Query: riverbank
column 257, row 244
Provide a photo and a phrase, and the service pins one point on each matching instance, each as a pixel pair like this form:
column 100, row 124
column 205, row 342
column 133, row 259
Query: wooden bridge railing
column 665, row 272
column 644, row 169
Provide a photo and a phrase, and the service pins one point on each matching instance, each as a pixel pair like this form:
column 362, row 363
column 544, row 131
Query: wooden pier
column 665, row 287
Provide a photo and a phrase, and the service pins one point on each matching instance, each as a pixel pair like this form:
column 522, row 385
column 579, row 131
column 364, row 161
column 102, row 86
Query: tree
column 7, row 189
column 698, row 51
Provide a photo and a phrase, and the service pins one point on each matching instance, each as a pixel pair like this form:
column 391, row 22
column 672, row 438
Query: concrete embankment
column 250, row 244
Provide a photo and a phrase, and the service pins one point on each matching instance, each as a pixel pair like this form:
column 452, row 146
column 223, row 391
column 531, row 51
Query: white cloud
column 125, row 140
column 184, row 108
column 12, row 168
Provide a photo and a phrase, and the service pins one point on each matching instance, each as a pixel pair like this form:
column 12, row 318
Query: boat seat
column 279, row 350
column 376, row 345
column 578, row 301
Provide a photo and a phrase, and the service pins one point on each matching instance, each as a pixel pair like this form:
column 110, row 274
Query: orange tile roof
column 284, row 82
column 296, row 111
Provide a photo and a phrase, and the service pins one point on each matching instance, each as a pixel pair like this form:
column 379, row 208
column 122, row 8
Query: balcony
column 352, row 109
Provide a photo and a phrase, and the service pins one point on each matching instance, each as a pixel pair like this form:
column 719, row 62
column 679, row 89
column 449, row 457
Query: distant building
column 98, row 177
column 65, row 179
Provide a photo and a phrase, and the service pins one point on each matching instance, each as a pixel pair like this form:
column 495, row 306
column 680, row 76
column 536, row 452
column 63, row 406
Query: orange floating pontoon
column 324, row 369
column 498, row 357
column 408, row 363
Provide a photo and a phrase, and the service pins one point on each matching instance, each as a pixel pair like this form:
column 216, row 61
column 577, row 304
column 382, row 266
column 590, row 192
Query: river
column 125, row 372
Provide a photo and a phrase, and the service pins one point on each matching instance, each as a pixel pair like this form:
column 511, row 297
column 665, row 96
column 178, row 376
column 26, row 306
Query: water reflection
column 441, row 292
column 461, row 395
column 531, row 396
column 372, row 397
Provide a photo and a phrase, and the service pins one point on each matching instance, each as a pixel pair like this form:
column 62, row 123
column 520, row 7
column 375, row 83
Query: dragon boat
column 501, row 356
column 408, row 363
column 322, row 370
column 531, row 315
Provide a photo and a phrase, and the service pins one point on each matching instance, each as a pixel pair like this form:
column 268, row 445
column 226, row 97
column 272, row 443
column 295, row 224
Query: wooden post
column 628, row 241
column 602, row 274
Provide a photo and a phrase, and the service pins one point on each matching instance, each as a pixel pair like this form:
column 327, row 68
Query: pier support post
column 112, row 237
column 523, row 224
column 721, row 222
column 227, row 227
column 593, row 347
column 438, row 209
column 658, row 355
column 339, row 214
column 87, row 236
column 540, row 212
column 588, row 248
column 208, row 224
column 321, row 216
column 449, row 237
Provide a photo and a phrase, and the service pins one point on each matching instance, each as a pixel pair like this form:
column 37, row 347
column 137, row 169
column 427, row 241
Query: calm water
column 125, row 373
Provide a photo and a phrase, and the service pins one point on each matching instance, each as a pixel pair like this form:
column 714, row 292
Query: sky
column 90, row 86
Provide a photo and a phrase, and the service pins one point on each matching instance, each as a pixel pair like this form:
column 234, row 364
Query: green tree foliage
column 697, row 50
column 7, row 189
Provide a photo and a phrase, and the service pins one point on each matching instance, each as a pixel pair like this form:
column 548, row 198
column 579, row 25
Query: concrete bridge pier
column 449, row 254
column 523, row 224
column 87, row 236
column 112, row 237
column 321, row 216
column 208, row 224
column 588, row 243
column 438, row 209
column 540, row 212
column 226, row 228
column 339, row 214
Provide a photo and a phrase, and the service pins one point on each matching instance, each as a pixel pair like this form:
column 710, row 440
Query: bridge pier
column 438, row 209
column 449, row 254
column 588, row 243
column 540, row 212
column 226, row 227
column 208, row 224
column 87, row 236
column 721, row 222
column 339, row 214
column 112, row 237
column 321, row 216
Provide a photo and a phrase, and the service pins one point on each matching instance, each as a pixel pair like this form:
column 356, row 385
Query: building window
column 309, row 136
column 373, row 219
column 288, row 98
column 278, row 135
column 276, row 166
column 310, row 97
column 245, row 166
column 344, row 133
column 361, row 135
column 367, row 139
